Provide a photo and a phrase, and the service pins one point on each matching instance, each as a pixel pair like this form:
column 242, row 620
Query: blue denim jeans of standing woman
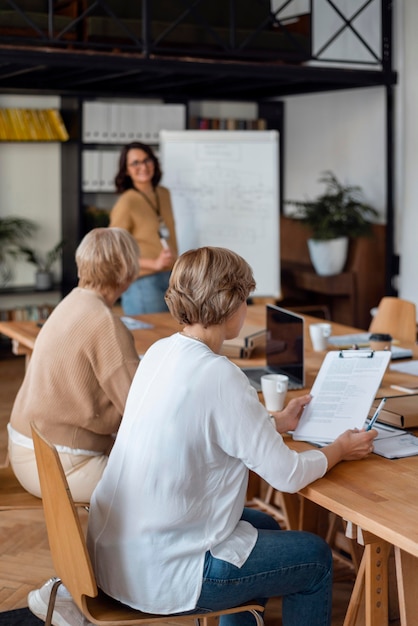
column 295, row 565
column 146, row 295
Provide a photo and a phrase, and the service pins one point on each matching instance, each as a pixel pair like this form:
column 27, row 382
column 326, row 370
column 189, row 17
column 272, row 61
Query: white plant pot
column 328, row 257
column 43, row 280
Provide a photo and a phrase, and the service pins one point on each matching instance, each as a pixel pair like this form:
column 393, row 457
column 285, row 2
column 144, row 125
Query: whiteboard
column 224, row 188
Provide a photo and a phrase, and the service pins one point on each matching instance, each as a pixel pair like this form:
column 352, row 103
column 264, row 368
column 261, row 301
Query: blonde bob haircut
column 207, row 285
column 107, row 258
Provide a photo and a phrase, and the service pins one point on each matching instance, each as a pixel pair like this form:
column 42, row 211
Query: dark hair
column 207, row 285
column 122, row 180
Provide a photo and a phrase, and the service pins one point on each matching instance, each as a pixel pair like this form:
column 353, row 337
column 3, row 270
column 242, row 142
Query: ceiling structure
column 184, row 49
column 123, row 74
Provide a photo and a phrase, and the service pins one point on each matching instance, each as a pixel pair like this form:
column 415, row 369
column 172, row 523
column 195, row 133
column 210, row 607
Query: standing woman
column 144, row 209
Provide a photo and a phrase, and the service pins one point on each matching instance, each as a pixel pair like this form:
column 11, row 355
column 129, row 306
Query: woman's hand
column 350, row 446
column 165, row 260
column 289, row 417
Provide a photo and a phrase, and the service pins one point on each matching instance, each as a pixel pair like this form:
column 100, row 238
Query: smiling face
column 140, row 167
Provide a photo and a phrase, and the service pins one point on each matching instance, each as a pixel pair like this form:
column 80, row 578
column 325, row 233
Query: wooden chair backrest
column 65, row 535
column 397, row 317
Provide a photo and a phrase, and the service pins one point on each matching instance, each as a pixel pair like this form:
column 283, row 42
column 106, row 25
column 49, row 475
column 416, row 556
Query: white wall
column 341, row 131
column 30, row 185
column 407, row 101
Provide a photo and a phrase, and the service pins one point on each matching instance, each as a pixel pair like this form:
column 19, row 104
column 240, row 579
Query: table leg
column 371, row 586
column 19, row 349
column 406, row 576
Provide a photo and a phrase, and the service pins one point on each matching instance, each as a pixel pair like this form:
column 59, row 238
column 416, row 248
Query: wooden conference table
column 378, row 497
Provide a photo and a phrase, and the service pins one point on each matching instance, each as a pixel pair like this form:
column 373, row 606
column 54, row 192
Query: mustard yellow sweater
column 79, row 375
column 133, row 213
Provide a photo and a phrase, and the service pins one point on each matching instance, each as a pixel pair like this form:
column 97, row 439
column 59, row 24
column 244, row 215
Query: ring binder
column 346, row 354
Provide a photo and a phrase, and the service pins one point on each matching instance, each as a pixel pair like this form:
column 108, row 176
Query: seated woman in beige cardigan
column 81, row 369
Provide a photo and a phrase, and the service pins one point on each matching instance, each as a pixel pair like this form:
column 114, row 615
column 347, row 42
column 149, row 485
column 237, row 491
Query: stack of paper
column 394, row 443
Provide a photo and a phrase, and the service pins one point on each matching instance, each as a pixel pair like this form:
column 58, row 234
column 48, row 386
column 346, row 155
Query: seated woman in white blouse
column 168, row 532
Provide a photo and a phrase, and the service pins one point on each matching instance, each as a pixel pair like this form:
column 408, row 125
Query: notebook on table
column 284, row 348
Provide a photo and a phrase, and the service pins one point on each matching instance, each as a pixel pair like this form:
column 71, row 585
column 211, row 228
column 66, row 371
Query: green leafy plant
column 43, row 262
column 339, row 212
column 13, row 233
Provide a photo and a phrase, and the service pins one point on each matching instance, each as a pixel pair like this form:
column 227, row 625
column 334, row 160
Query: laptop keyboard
column 254, row 376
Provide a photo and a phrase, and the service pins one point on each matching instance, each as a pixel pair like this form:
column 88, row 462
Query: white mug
column 319, row 335
column 274, row 388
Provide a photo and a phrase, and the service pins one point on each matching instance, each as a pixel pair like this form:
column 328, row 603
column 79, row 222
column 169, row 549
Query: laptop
column 284, row 348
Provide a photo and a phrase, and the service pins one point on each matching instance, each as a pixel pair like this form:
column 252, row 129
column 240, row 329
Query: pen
column 376, row 414
column 164, row 243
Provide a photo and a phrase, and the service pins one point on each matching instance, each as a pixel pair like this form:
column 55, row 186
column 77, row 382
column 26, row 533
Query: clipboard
column 342, row 394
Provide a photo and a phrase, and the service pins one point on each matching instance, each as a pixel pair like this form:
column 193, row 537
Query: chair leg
column 51, row 603
column 258, row 618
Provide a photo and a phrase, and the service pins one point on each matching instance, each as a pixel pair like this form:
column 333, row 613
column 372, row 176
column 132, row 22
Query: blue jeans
column 295, row 565
column 146, row 295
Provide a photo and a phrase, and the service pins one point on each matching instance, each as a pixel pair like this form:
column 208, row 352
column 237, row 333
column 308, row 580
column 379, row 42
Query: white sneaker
column 66, row 612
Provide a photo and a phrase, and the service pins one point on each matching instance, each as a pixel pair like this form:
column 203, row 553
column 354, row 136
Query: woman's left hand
column 289, row 417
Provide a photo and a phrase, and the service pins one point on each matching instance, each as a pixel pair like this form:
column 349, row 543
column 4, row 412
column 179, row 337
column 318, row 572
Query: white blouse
column 176, row 480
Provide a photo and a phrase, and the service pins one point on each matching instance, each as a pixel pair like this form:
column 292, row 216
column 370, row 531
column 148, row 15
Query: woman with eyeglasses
column 144, row 209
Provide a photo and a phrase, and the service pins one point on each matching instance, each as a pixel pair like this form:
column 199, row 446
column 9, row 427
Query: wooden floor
column 24, row 556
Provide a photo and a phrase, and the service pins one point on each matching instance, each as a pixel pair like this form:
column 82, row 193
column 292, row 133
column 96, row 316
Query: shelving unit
column 89, row 167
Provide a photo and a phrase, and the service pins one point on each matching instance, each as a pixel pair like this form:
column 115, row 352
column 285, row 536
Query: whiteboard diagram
column 225, row 192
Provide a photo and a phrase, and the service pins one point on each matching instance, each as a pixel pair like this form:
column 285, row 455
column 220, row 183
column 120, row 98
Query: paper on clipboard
column 342, row 394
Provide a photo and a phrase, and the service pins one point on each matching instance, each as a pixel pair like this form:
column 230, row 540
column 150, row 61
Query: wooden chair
column 71, row 559
column 397, row 317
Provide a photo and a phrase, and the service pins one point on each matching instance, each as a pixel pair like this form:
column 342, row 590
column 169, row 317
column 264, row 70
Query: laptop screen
column 284, row 348
column 284, row 345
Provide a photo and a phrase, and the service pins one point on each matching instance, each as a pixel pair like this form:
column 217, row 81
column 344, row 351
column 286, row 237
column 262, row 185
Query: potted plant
column 44, row 277
column 13, row 232
column 333, row 217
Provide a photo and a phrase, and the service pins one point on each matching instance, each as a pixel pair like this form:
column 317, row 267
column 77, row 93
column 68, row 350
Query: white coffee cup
column 319, row 335
column 274, row 388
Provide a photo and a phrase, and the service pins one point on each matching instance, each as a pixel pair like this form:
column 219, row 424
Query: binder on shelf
column 152, row 131
column 114, row 121
column 95, row 122
column 91, row 170
column 125, row 123
column 108, row 170
column 140, row 122
column 172, row 117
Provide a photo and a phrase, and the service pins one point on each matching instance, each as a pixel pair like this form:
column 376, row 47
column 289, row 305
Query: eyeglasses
column 146, row 162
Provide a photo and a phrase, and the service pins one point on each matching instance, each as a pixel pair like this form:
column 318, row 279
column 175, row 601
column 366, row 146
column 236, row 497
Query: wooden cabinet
column 349, row 295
